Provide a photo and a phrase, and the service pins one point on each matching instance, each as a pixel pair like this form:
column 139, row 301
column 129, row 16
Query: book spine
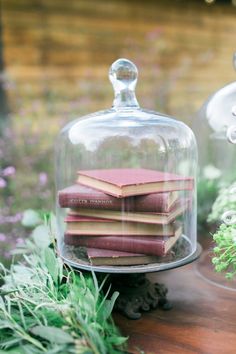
column 123, row 244
column 157, row 202
column 105, row 202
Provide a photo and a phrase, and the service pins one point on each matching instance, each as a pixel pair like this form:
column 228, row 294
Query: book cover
column 79, row 225
column 151, row 218
column 108, row 257
column 133, row 181
column 153, row 245
column 85, row 197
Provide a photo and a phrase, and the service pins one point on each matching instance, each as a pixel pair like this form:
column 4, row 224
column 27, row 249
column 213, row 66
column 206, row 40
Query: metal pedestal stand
column 136, row 292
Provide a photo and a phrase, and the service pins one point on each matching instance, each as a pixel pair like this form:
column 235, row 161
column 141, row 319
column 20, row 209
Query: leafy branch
column 225, row 250
column 47, row 308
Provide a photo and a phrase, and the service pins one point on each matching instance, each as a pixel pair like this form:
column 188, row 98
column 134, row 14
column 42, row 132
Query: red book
column 156, row 246
column 79, row 225
column 79, row 196
column 151, row 218
column 133, row 181
column 108, row 257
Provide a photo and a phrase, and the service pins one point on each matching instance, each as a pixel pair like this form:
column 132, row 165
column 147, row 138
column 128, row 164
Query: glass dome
column 125, row 180
column 214, row 127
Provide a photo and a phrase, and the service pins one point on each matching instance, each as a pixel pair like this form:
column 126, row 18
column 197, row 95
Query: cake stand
column 136, row 293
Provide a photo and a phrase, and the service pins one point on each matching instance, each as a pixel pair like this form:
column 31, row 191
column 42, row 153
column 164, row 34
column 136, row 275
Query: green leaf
column 118, row 341
column 59, row 349
column 19, row 250
column 2, row 304
column 108, row 306
column 51, row 263
column 5, row 324
column 53, row 225
column 20, row 275
column 31, row 349
column 10, row 342
column 31, row 218
column 41, row 236
column 52, row 334
column 17, row 350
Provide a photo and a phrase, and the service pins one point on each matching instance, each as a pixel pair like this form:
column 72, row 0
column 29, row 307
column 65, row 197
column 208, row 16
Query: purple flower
column 19, row 241
column 11, row 219
column 9, row 171
column 43, row 178
column 3, row 183
column 2, row 237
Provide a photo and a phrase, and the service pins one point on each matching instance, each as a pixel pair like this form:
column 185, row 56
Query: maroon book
column 133, row 181
column 79, row 196
column 152, row 245
column 178, row 208
column 108, row 257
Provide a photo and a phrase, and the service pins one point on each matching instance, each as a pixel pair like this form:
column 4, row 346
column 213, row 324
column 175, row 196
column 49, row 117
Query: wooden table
column 203, row 318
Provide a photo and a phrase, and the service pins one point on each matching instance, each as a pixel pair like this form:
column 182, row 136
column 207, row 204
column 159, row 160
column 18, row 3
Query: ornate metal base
column 138, row 294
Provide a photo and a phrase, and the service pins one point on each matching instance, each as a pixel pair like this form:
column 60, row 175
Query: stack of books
column 125, row 216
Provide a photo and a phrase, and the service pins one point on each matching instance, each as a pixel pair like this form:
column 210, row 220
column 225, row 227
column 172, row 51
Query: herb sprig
column 47, row 308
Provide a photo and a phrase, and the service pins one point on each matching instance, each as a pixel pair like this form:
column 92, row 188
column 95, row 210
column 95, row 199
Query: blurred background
column 54, row 61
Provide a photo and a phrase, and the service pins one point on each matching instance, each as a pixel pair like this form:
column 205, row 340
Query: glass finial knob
column 123, row 75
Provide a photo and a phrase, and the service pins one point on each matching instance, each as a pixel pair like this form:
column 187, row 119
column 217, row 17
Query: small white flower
column 211, row 172
column 233, row 234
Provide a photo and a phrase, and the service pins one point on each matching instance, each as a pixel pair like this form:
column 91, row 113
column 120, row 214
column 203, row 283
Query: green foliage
column 225, row 250
column 47, row 308
column 225, row 201
column 206, row 195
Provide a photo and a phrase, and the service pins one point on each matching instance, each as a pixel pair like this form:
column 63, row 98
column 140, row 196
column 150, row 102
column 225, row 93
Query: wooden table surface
column 203, row 318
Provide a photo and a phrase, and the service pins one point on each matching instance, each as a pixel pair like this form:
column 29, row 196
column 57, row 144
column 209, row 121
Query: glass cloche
column 214, row 127
column 126, row 185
